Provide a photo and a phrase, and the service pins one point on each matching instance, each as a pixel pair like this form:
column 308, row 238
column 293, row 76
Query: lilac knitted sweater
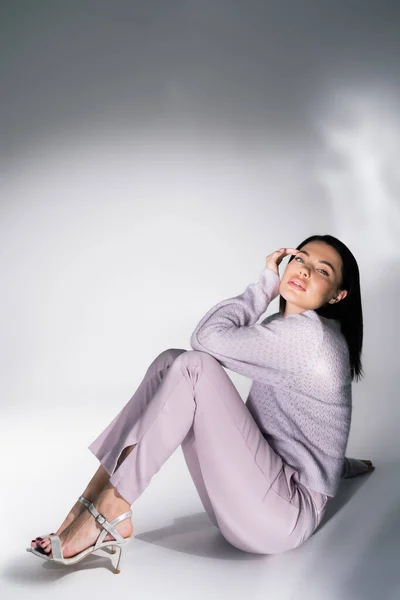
column 301, row 392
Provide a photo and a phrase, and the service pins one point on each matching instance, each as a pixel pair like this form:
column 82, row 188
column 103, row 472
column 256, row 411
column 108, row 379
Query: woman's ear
column 340, row 296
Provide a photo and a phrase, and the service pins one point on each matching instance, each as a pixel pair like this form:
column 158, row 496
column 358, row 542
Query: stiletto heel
column 122, row 551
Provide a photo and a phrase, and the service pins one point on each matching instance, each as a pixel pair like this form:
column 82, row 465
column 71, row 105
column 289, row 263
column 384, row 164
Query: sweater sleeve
column 268, row 352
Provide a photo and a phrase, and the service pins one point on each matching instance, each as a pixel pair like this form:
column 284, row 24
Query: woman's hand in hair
column 275, row 259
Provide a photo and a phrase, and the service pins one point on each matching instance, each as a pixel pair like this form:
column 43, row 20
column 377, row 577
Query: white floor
column 177, row 552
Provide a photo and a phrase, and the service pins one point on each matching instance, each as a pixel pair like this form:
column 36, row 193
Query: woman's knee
column 170, row 354
column 207, row 361
column 199, row 362
column 166, row 358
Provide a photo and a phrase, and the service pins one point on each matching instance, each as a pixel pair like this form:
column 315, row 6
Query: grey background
column 152, row 155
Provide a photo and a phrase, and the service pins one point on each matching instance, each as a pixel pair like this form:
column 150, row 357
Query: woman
column 264, row 469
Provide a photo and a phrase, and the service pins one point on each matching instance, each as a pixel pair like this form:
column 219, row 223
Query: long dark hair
column 349, row 310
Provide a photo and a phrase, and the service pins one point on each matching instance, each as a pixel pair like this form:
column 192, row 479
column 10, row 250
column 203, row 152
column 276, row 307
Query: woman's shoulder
column 321, row 336
column 334, row 349
column 305, row 322
column 302, row 333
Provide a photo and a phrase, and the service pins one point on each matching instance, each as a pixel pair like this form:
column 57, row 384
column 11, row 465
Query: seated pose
column 266, row 468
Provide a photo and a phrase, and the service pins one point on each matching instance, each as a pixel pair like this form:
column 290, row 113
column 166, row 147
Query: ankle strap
column 107, row 527
column 84, row 501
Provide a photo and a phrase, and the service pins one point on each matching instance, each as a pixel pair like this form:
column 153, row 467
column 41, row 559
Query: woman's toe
column 369, row 465
column 37, row 545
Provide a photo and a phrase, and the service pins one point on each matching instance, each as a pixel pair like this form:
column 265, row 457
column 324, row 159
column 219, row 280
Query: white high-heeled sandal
column 118, row 542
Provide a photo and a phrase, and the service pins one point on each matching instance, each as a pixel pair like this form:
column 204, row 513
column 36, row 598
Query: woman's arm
column 269, row 352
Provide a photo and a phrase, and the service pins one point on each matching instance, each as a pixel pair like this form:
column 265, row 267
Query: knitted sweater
column 301, row 397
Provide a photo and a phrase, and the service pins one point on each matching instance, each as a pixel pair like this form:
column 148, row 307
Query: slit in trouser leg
column 125, row 452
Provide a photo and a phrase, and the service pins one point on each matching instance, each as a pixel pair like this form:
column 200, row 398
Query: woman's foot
column 95, row 486
column 84, row 530
column 369, row 464
column 353, row 467
column 74, row 513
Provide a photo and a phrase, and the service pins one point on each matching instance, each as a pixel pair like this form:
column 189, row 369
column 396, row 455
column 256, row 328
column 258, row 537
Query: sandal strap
column 56, row 548
column 84, row 501
column 107, row 527
column 122, row 517
column 115, row 521
column 112, row 524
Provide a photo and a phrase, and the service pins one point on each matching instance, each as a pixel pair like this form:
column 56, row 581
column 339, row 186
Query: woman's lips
column 296, row 287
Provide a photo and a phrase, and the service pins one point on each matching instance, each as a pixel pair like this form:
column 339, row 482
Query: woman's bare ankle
column 96, row 485
column 111, row 502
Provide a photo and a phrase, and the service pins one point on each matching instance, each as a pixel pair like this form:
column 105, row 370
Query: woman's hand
column 275, row 259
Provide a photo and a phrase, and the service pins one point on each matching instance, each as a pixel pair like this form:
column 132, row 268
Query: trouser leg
column 232, row 465
column 113, row 442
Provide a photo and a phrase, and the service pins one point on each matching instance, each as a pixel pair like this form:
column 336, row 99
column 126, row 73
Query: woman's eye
column 323, row 270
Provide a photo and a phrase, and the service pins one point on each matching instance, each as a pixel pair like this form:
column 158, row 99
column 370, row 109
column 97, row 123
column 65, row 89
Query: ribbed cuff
column 270, row 282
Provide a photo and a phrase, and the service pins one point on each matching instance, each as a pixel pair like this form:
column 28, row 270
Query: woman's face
column 321, row 281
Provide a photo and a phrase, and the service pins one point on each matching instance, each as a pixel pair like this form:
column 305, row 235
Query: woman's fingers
column 285, row 251
column 276, row 257
column 289, row 250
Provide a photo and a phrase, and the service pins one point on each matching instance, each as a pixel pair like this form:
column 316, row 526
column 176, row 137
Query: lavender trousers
column 187, row 399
